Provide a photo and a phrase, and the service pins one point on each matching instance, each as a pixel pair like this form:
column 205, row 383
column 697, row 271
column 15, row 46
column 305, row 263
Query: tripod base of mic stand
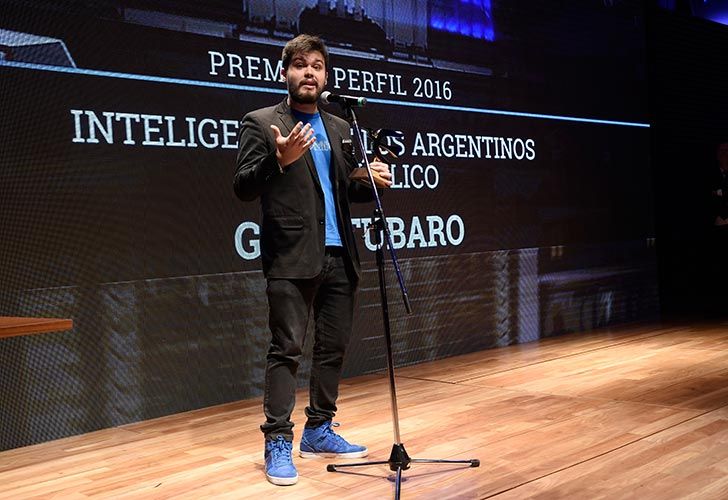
column 398, row 461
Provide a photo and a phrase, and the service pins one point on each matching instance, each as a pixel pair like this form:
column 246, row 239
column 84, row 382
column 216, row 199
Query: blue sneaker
column 279, row 468
column 322, row 441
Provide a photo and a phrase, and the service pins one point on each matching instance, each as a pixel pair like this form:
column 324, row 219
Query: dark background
column 135, row 244
column 689, row 108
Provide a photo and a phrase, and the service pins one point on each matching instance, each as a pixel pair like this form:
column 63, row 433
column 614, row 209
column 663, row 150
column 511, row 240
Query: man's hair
column 303, row 44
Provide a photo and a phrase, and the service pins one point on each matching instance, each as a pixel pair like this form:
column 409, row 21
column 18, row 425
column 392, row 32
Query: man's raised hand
column 291, row 147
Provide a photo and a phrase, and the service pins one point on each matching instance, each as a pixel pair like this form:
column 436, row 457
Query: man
column 720, row 187
column 716, row 258
column 292, row 157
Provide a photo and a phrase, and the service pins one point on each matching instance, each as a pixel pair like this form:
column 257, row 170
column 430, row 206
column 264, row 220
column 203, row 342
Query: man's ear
column 284, row 74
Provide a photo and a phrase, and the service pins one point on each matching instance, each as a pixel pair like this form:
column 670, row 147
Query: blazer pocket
column 290, row 222
column 281, row 236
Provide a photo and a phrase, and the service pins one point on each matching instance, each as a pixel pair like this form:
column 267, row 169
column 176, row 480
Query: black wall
column 688, row 75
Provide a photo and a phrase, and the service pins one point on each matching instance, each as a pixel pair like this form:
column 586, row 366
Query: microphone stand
column 399, row 460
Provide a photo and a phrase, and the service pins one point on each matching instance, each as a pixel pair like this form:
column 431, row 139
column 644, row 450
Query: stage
column 634, row 412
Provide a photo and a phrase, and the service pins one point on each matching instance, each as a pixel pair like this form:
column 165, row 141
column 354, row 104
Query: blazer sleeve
column 359, row 193
column 256, row 162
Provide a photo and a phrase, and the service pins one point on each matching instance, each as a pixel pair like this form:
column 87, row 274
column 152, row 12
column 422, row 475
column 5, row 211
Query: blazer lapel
column 288, row 121
column 338, row 163
column 335, row 139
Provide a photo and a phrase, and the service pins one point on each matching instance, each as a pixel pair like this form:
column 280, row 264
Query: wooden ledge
column 14, row 326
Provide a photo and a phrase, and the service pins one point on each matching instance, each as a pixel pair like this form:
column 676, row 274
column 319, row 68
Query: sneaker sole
column 282, row 481
column 353, row 454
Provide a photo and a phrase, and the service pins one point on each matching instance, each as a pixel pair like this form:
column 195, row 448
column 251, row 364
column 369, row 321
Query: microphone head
column 325, row 97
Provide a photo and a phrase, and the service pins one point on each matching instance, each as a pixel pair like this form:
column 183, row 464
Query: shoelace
column 329, row 433
column 281, row 452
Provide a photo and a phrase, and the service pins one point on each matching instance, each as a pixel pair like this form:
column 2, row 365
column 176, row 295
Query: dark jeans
column 330, row 296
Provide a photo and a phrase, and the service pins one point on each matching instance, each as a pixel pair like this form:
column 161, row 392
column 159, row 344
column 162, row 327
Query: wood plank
column 11, row 326
column 677, row 373
column 478, row 364
column 686, row 461
column 641, row 411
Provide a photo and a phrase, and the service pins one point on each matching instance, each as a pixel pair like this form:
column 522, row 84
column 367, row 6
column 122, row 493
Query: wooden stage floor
column 634, row 412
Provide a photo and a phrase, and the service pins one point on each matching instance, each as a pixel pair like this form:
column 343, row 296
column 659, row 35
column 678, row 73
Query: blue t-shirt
column 321, row 153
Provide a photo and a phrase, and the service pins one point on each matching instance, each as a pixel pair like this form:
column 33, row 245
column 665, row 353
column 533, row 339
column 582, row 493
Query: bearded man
column 291, row 156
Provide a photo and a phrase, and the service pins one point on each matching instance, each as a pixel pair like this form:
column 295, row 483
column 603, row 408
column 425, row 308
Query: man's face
column 306, row 77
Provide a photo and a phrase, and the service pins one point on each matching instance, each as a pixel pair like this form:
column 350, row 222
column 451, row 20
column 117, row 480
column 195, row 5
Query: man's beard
column 300, row 98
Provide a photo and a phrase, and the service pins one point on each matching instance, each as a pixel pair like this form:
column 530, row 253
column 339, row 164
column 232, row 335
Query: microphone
column 343, row 100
